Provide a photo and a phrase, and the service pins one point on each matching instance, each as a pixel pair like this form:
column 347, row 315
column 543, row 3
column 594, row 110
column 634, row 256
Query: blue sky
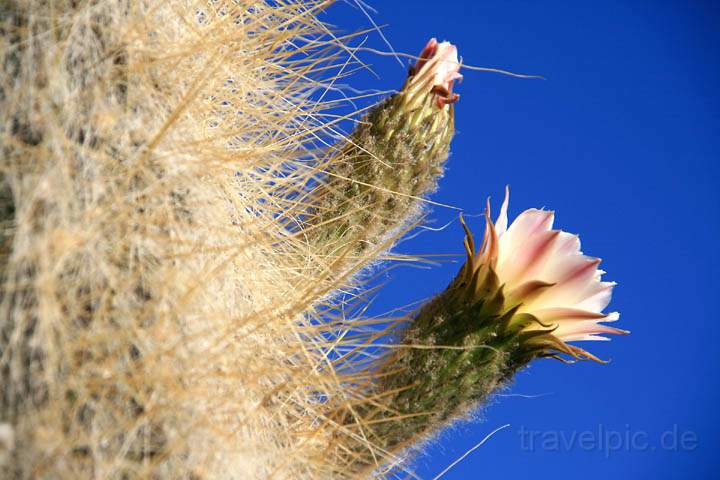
column 622, row 140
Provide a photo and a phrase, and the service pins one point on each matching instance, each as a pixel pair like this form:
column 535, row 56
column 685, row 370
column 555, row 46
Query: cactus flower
column 436, row 70
column 545, row 277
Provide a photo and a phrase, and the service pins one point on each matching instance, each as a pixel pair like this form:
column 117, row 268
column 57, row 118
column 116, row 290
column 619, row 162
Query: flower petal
column 597, row 297
column 530, row 259
column 526, row 224
column 502, row 220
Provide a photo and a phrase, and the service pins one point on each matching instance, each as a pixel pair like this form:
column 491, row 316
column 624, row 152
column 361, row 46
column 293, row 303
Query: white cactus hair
column 159, row 304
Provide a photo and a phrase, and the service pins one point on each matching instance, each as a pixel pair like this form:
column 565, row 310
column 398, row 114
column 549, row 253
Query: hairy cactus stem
column 393, row 157
column 491, row 321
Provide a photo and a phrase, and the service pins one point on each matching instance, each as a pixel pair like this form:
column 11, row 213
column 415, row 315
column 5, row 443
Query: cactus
column 392, row 158
column 525, row 293
column 174, row 241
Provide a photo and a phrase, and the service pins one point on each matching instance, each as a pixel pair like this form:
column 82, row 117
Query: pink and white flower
column 436, row 71
column 544, row 273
